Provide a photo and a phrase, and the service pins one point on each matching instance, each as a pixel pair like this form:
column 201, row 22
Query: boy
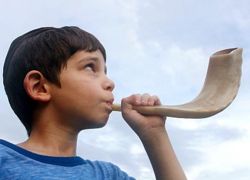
column 56, row 83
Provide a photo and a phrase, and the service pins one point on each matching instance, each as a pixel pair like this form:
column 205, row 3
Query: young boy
column 56, row 83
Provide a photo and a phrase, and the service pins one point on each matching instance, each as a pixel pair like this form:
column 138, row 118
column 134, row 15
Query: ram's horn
column 219, row 90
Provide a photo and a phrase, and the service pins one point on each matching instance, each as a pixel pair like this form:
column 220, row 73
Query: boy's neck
column 51, row 141
column 51, row 144
column 51, row 136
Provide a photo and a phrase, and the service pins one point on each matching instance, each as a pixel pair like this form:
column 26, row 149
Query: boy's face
column 85, row 97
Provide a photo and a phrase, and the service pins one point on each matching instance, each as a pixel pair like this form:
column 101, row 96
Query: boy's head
column 46, row 50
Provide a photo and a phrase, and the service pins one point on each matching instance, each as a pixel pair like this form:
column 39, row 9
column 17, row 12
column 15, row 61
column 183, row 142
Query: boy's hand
column 142, row 124
column 151, row 130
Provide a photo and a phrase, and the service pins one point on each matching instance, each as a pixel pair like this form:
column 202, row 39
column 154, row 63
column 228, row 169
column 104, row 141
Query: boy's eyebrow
column 92, row 59
column 88, row 59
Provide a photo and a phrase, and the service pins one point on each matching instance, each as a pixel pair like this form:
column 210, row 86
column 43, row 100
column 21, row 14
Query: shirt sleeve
column 112, row 171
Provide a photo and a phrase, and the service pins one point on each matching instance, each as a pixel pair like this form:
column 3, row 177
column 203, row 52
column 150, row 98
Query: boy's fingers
column 156, row 100
column 138, row 100
column 144, row 100
column 128, row 102
column 134, row 99
column 153, row 100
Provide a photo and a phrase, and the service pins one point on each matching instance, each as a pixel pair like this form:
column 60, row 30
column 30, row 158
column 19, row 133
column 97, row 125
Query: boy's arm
column 151, row 130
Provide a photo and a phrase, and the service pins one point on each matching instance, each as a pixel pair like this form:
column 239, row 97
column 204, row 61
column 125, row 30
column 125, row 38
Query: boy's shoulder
column 4, row 150
column 15, row 160
column 6, row 153
column 7, row 159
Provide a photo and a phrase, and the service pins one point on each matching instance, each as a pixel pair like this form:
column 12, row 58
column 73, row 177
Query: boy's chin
column 97, row 125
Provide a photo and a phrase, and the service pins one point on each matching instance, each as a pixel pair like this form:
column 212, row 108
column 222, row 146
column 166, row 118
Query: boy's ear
column 36, row 86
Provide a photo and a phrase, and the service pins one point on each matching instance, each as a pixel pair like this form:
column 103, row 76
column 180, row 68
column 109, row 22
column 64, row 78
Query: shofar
column 219, row 90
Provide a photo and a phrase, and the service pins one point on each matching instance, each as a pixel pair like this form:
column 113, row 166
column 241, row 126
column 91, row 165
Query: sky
column 159, row 47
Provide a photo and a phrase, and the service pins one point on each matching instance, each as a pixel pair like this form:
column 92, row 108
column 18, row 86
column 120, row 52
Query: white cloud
column 221, row 158
column 136, row 149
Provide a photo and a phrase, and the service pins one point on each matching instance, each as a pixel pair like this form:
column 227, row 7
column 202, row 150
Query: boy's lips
column 109, row 104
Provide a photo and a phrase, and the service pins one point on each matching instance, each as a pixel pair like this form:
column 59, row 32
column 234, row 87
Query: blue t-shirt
column 19, row 164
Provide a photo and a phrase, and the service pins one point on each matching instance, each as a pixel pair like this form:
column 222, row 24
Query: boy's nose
column 109, row 84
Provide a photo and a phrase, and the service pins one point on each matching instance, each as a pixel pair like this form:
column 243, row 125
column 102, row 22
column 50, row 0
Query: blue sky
column 157, row 46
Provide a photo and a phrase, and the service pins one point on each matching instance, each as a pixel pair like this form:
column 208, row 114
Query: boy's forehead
column 83, row 56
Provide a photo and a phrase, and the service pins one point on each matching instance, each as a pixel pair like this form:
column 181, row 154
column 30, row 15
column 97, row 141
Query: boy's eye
column 90, row 67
